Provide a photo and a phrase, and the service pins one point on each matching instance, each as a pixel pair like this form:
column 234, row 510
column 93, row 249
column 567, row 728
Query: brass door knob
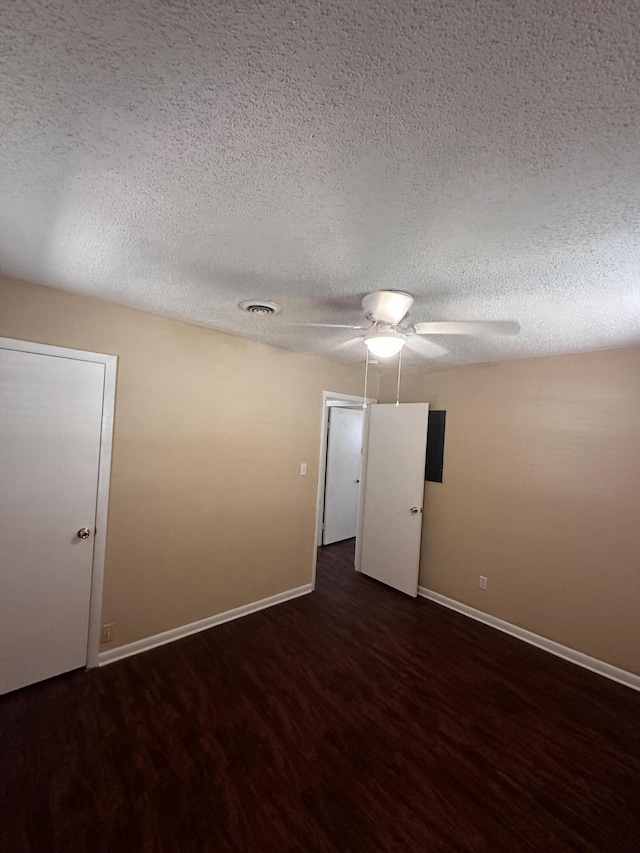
column 84, row 533
column 414, row 510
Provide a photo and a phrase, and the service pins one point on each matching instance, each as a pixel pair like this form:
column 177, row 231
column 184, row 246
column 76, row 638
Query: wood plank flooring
column 353, row 719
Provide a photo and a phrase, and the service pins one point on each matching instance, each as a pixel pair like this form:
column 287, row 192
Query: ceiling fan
column 389, row 327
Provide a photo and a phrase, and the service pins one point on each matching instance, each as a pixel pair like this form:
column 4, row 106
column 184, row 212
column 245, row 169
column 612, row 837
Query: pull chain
column 399, row 369
column 366, row 374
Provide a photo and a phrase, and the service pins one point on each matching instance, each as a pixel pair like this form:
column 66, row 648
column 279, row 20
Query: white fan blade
column 349, row 345
column 426, row 349
column 332, row 326
column 498, row 327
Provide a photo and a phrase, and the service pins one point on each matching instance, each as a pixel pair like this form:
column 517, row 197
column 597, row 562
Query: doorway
column 56, row 427
column 390, row 494
column 342, row 474
column 333, row 400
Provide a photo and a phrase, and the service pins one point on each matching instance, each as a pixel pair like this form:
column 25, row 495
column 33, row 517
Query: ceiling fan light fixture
column 383, row 343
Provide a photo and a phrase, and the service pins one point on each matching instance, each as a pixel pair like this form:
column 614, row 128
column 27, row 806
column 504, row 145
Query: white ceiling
column 180, row 157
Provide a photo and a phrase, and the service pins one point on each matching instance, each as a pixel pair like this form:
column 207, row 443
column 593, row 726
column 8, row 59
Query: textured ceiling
column 179, row 157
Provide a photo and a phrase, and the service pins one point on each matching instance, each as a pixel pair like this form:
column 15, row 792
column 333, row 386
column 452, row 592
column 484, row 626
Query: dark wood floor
column 353, row 719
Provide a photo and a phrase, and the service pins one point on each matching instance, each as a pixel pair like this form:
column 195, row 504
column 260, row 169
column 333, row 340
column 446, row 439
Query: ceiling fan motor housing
column 387, row 306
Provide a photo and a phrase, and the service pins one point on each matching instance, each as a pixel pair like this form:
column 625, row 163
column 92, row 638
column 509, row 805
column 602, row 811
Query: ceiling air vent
column 254, row 306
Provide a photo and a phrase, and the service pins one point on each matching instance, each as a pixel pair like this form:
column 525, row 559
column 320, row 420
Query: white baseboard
column 194, row 627
column 595, row 665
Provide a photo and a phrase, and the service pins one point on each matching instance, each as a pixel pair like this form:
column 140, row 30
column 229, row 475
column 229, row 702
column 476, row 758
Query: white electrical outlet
column 107, row 632
column 303, row 469
column 482, row 582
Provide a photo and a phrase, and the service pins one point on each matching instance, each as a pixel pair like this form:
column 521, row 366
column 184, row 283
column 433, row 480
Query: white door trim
column 104, row 472
column 329, row 398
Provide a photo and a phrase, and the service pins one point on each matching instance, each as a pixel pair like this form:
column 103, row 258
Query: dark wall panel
column 435, row 446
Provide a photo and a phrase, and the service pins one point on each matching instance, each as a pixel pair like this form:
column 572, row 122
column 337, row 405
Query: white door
column 342, row 484
column 50, row 429
column 388, row 547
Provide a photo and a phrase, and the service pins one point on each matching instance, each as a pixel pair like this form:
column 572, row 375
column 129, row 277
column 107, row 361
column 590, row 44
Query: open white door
column 342, row 489
column 51, row 413
column 390, row 523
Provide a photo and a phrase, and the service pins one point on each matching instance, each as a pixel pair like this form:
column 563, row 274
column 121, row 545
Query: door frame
column 329, row 399
column 329, row 506
column 110, row 363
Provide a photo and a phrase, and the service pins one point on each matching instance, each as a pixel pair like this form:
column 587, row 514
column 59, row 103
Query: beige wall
column 208, row 510
column 541, row 494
